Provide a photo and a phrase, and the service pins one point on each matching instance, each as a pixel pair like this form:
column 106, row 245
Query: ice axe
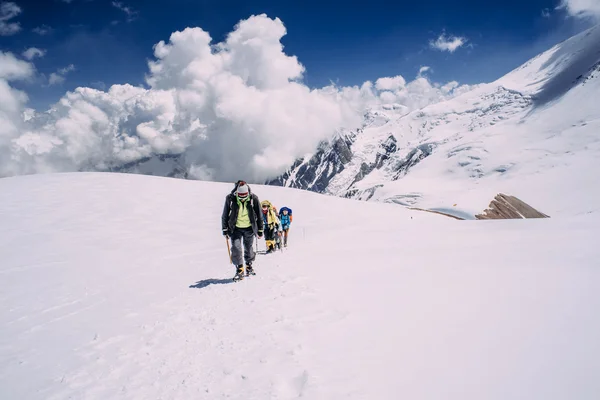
column 228, row 249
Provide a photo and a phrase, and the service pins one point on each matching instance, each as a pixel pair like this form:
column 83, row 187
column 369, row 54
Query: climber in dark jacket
column 242, row 221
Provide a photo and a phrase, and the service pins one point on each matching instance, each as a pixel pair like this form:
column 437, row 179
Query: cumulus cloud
column 33, row 52
column 229, row 110
column 12, row 102
column 582, row 8
column 12, row 68
column 394, row 83
column 448, row 43
column 421, row 92
column 9, row 10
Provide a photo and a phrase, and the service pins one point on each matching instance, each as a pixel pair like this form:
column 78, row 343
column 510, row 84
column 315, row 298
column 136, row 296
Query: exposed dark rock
column 316, row 173
column 509, row 207
column 388, row 148
column 364, row 195
column 365, row 169
column 414, row 157
column 282, row 179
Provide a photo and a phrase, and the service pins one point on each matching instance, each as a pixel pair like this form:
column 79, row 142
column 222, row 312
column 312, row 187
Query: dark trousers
column 242, row 241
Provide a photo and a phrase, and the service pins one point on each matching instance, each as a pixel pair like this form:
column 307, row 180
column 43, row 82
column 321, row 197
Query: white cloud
column 12, row 103
column 449, row 87
column 131, row 13
column 33, row 52
column 394, row 83
column 42, row 30
column 424, row 69
column 447, row 43
column 546, row 13
column 9, row 10
column 232, row 109
column 66, row 70
column 581, row 8
column 55, row 79
column 58, row 77
column 12, row 68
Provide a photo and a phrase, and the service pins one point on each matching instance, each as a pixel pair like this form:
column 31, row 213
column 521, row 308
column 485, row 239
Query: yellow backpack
column 271, row 214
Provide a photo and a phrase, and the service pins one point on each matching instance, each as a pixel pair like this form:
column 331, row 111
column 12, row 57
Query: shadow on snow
column 207, row 282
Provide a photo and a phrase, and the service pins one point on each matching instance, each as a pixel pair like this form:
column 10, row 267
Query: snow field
column 118, row 286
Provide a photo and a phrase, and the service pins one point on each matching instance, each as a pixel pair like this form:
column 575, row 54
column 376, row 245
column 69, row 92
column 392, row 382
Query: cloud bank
column 582, row 8
column 231, row 110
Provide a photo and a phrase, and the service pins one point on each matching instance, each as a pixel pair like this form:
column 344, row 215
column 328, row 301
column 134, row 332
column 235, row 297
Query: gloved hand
column 260, row 235
column 225, row 232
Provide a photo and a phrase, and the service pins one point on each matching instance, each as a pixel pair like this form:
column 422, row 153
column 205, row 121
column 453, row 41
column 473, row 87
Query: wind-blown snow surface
column 116, row 286
column 532, row 133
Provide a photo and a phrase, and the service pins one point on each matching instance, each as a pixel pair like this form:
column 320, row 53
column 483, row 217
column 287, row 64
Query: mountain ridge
column 540, row 99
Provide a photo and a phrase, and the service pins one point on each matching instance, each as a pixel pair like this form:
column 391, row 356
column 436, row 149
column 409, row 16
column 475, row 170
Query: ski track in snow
column 138, row 301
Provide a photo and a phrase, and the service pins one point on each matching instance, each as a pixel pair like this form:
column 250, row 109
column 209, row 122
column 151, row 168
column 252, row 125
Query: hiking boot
column 250, row 270
column 239, row 273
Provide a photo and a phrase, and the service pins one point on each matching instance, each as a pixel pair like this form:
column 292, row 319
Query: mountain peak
column 520, row 131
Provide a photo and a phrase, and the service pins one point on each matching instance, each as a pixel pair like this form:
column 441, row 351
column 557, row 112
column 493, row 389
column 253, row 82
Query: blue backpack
column 286, row 220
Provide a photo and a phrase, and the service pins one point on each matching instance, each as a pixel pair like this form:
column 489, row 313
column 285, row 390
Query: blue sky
column 110, row 42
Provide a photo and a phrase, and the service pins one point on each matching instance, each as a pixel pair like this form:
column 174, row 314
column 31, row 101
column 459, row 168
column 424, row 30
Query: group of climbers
column 277, row 225
column 241, row 221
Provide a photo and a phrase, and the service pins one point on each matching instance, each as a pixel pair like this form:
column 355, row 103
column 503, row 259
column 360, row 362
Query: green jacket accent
column 243, row 219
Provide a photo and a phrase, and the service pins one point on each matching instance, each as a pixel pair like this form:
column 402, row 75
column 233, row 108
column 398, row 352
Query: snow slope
column 532, row 133
column 116, row 286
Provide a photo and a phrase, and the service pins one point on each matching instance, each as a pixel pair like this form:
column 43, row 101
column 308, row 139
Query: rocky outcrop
column 509, row 207
column 315, row 173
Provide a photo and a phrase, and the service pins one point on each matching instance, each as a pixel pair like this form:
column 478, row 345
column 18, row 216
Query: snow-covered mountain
column 118, row 286
column 534, row 132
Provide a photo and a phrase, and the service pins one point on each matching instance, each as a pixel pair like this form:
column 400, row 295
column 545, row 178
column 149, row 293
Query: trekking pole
column 281, row 241
column 228, row 249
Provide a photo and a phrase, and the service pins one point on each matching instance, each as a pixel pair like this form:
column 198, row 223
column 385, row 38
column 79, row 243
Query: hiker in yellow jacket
column 271, row 224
